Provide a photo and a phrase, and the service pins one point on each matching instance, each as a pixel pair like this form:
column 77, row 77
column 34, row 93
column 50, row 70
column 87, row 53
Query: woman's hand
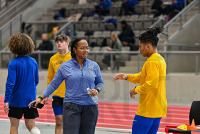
column 45, row 101
column 109, row 49
column 35, row 101
column 6, row 108
column 93, row 92
column 120, row 76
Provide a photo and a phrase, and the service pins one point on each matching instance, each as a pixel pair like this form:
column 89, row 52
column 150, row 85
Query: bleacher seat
column 137, row 22
column 96, row 37
column 94, row 25
column 96, row 48
column 126, row 48
column 104, row 48
column 78, row 26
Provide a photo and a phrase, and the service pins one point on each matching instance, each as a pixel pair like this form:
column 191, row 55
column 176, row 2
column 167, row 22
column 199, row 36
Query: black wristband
column 40, row 98
column 98, row 89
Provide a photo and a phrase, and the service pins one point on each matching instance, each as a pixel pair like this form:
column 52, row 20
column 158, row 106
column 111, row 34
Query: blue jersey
column 132, row 3
column 179, row 5
column 77, row 80
column 105, row 4
column 21, row 81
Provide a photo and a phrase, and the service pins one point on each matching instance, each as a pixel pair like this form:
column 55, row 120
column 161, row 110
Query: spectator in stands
column 116, row 45
column 103, row 7
column 60, row 15
column 157, row 5
column 172, row 9
column 127, row 36
column 46, row 44
column 127, row 7
column 178, row 4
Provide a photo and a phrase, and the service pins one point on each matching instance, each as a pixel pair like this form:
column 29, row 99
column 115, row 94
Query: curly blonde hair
column 21, row 44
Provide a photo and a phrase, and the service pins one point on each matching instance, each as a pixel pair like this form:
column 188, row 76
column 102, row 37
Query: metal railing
column 3, row 3
column 13, row 26
column 47, row 27
column 187, row 61
column 13, row 21
column 181, row 18
column 13, row 11
column 67, row 29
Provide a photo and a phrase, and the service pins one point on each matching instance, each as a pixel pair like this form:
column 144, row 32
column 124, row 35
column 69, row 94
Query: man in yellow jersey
column 152, row 90
column 63, row 55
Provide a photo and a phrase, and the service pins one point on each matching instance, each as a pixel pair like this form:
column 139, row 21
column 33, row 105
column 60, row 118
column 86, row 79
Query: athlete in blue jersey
column 21, row 84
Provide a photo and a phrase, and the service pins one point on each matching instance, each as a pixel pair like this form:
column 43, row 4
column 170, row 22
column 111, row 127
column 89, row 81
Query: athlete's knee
column 35, row 130
column 59, row 123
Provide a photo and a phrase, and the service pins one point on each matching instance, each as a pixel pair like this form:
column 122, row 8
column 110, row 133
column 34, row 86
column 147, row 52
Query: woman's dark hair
column 21, row 44
column 74, row 45
column 150, row 36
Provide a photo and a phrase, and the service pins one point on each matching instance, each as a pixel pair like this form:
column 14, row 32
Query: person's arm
column 36, row 75
column 50, row 77
column 55, row 83
column 118, row 46
column 134, row 78
column 10, row 82
column 98, row 82
column 99, row 79
column 51, row 73
column 152, row 78
column 11, row 78
column 58, row 79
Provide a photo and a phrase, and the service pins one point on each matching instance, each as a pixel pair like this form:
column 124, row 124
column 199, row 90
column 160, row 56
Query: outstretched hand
column 120, row 76
column 35, row 101
column 45, row 101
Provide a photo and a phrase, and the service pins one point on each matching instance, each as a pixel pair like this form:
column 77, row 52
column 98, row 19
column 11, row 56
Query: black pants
column 100, row 11
column 167, row 10
column 79, row 119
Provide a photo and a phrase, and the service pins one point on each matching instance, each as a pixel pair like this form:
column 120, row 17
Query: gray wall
column 181, row 88
column 189, row 34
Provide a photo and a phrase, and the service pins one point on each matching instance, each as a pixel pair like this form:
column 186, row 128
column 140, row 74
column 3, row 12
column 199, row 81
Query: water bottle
column 94, row 98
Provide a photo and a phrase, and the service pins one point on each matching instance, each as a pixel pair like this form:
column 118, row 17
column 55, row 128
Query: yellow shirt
column 152, row 89
column 54, row 63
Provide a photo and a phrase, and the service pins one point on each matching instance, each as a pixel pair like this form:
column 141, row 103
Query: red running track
column 116, row 115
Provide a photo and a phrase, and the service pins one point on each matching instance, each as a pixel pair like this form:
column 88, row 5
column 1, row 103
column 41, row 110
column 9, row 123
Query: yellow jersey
column 54, row 63
column 152, row 89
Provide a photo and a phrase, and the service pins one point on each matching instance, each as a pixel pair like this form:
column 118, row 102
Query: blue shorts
column 58, row 110
column 144, row 125
column 57, row 105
